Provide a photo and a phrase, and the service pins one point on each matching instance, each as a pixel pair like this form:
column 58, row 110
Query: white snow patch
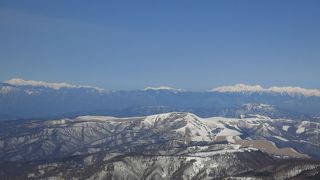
column 301, row 129
column 225, row 151
column 151, row 120
column 281, row 138
column 96, row 118
column 228, row 132
column 57, row 122
column 197, row 129
column 230, row 139
column 285, row 128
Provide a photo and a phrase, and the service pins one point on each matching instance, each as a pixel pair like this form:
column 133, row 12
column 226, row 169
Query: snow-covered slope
column 86, row 134
column 95, row 133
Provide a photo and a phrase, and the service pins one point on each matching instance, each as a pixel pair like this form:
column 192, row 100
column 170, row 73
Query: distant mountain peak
column 243, row 88
column 239, row 88
column 295, row 90
column 56, row 86
column 160, row 88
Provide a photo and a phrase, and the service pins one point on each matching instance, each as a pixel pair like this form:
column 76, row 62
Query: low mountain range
column 173, row 145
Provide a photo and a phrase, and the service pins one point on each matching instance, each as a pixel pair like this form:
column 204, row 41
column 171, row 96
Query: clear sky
column 194, row 45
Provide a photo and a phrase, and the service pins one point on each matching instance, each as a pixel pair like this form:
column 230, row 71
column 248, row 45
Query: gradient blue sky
column 194, row 45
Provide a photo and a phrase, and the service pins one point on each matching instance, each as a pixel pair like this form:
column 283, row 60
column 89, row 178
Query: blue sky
column 194, row 45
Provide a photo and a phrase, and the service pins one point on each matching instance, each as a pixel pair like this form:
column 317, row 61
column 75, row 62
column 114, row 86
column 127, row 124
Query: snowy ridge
column 243, row 88
column 233, row 149
column 167, row 88
column 191, row 126
column 295, row 91
column 55, row 86
column 238, row 88
column 96, row 118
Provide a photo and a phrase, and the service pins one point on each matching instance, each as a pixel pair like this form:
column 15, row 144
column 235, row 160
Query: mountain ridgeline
column 36, row 99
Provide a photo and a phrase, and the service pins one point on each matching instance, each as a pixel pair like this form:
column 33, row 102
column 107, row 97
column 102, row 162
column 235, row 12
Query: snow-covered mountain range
column 163, row 88
column 238, row 88
column 23, row 99
column 163, row 146
column 243, row 88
